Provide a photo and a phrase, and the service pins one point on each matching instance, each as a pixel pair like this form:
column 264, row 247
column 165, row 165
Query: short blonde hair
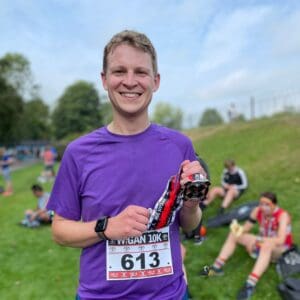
column 132, row 38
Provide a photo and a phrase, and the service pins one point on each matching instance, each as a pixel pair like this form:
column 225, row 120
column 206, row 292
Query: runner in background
column 5, row 162
column 48, row 156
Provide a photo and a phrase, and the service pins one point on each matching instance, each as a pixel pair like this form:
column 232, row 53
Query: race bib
column 139, row 257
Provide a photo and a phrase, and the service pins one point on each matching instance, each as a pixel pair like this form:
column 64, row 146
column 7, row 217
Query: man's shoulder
column 169, row 133
column 85, row 142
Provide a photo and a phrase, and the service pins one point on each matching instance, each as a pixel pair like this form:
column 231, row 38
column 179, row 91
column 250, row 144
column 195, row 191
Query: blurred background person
column 274, row 237
column 233, row 184
column 5, row 162
column 34, row 217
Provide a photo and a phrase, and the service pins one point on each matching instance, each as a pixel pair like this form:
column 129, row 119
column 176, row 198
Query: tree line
column 24, row 116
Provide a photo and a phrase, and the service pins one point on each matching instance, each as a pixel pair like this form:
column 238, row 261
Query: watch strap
column 102, row 236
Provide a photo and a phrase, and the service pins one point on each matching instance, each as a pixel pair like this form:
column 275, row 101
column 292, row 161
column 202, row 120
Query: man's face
column 130, row 81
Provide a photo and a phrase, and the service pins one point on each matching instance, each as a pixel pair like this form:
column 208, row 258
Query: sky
column 210, row 53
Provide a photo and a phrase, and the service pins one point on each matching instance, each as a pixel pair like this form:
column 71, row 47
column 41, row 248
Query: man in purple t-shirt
column 110, row 178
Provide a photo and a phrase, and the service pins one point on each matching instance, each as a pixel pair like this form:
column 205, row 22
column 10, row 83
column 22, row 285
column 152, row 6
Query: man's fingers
column 192, row 168
column 141, row 219
column 140, row 227
column 137, row 210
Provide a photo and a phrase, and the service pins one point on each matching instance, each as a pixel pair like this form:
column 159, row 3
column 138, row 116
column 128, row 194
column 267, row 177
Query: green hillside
column 33, row 267
column 269, row 151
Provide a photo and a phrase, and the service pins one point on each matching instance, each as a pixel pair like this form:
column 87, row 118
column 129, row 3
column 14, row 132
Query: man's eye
column 117, row 72
column 142, row 73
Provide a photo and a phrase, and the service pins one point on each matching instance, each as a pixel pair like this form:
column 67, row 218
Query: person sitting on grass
column 34, row 218
column 273, row 239
column 234, row 182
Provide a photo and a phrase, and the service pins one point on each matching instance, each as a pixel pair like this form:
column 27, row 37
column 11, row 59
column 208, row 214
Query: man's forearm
column 190, row 217
column 74, row 233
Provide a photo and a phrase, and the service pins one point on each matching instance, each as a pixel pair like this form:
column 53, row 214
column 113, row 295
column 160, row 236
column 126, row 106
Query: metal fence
column 251, row 107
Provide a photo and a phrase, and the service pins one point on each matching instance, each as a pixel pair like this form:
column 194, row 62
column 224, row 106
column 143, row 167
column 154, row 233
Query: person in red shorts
column 273, row 239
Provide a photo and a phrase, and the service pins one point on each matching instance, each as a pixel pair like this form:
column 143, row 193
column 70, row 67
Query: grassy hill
column 33, row 267
column 269, row 150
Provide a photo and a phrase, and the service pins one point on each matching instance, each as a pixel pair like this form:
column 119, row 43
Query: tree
column 210, row 117
column 78, row 110
column 167, row 115
column 239, row 118
column 11, row 108
column 19, row 119
column 15, row 69
column 35, row 120
column 106, row 111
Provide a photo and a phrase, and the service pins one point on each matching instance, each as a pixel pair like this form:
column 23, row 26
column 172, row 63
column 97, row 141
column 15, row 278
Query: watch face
column 101, row 224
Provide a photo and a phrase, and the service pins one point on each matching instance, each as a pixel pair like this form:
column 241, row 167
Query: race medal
column 141, row 257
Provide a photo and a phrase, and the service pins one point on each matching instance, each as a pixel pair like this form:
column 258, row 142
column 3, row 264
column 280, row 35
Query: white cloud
column 285, row 35
column 228, row 37
column 232, row 84
column 208, row 51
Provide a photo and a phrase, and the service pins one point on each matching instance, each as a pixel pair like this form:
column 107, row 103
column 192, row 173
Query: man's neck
column 128, row 127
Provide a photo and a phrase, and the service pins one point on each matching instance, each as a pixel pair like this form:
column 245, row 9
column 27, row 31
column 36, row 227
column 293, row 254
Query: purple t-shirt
column 100, row 175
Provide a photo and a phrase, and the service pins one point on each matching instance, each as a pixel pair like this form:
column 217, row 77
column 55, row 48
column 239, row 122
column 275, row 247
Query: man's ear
column 156, row 82
column 103, row 79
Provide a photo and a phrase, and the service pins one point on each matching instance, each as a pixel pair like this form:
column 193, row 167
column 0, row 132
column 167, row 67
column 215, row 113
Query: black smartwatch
column 100, row 227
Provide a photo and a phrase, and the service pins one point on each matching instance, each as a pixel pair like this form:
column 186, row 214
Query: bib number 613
column 130, row 262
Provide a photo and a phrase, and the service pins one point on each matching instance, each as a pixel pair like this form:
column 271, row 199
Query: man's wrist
column 190, row 207
column 100, row 227
column 191, row 211
column 103, row 236
column 190, row 218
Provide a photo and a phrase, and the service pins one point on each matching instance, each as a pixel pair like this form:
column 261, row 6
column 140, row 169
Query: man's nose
column 130, row 79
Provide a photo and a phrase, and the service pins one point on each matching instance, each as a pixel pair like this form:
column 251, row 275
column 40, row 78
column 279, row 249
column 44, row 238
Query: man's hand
column 190, row 168
column 195, row 182
column 190, row 213
column 132, row 221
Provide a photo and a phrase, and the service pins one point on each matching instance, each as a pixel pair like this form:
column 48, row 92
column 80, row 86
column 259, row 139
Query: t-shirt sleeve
column 65, row 195
column 190, row 152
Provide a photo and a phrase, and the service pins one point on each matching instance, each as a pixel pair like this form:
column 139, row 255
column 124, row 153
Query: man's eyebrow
column 142, row 69
column 118, row 67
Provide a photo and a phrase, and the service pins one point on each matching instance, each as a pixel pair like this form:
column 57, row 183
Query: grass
column 269, row 151
column 33, row 267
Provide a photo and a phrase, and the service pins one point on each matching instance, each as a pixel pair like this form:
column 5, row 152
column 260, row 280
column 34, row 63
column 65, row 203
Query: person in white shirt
column 233, row 184
column 34, row 217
